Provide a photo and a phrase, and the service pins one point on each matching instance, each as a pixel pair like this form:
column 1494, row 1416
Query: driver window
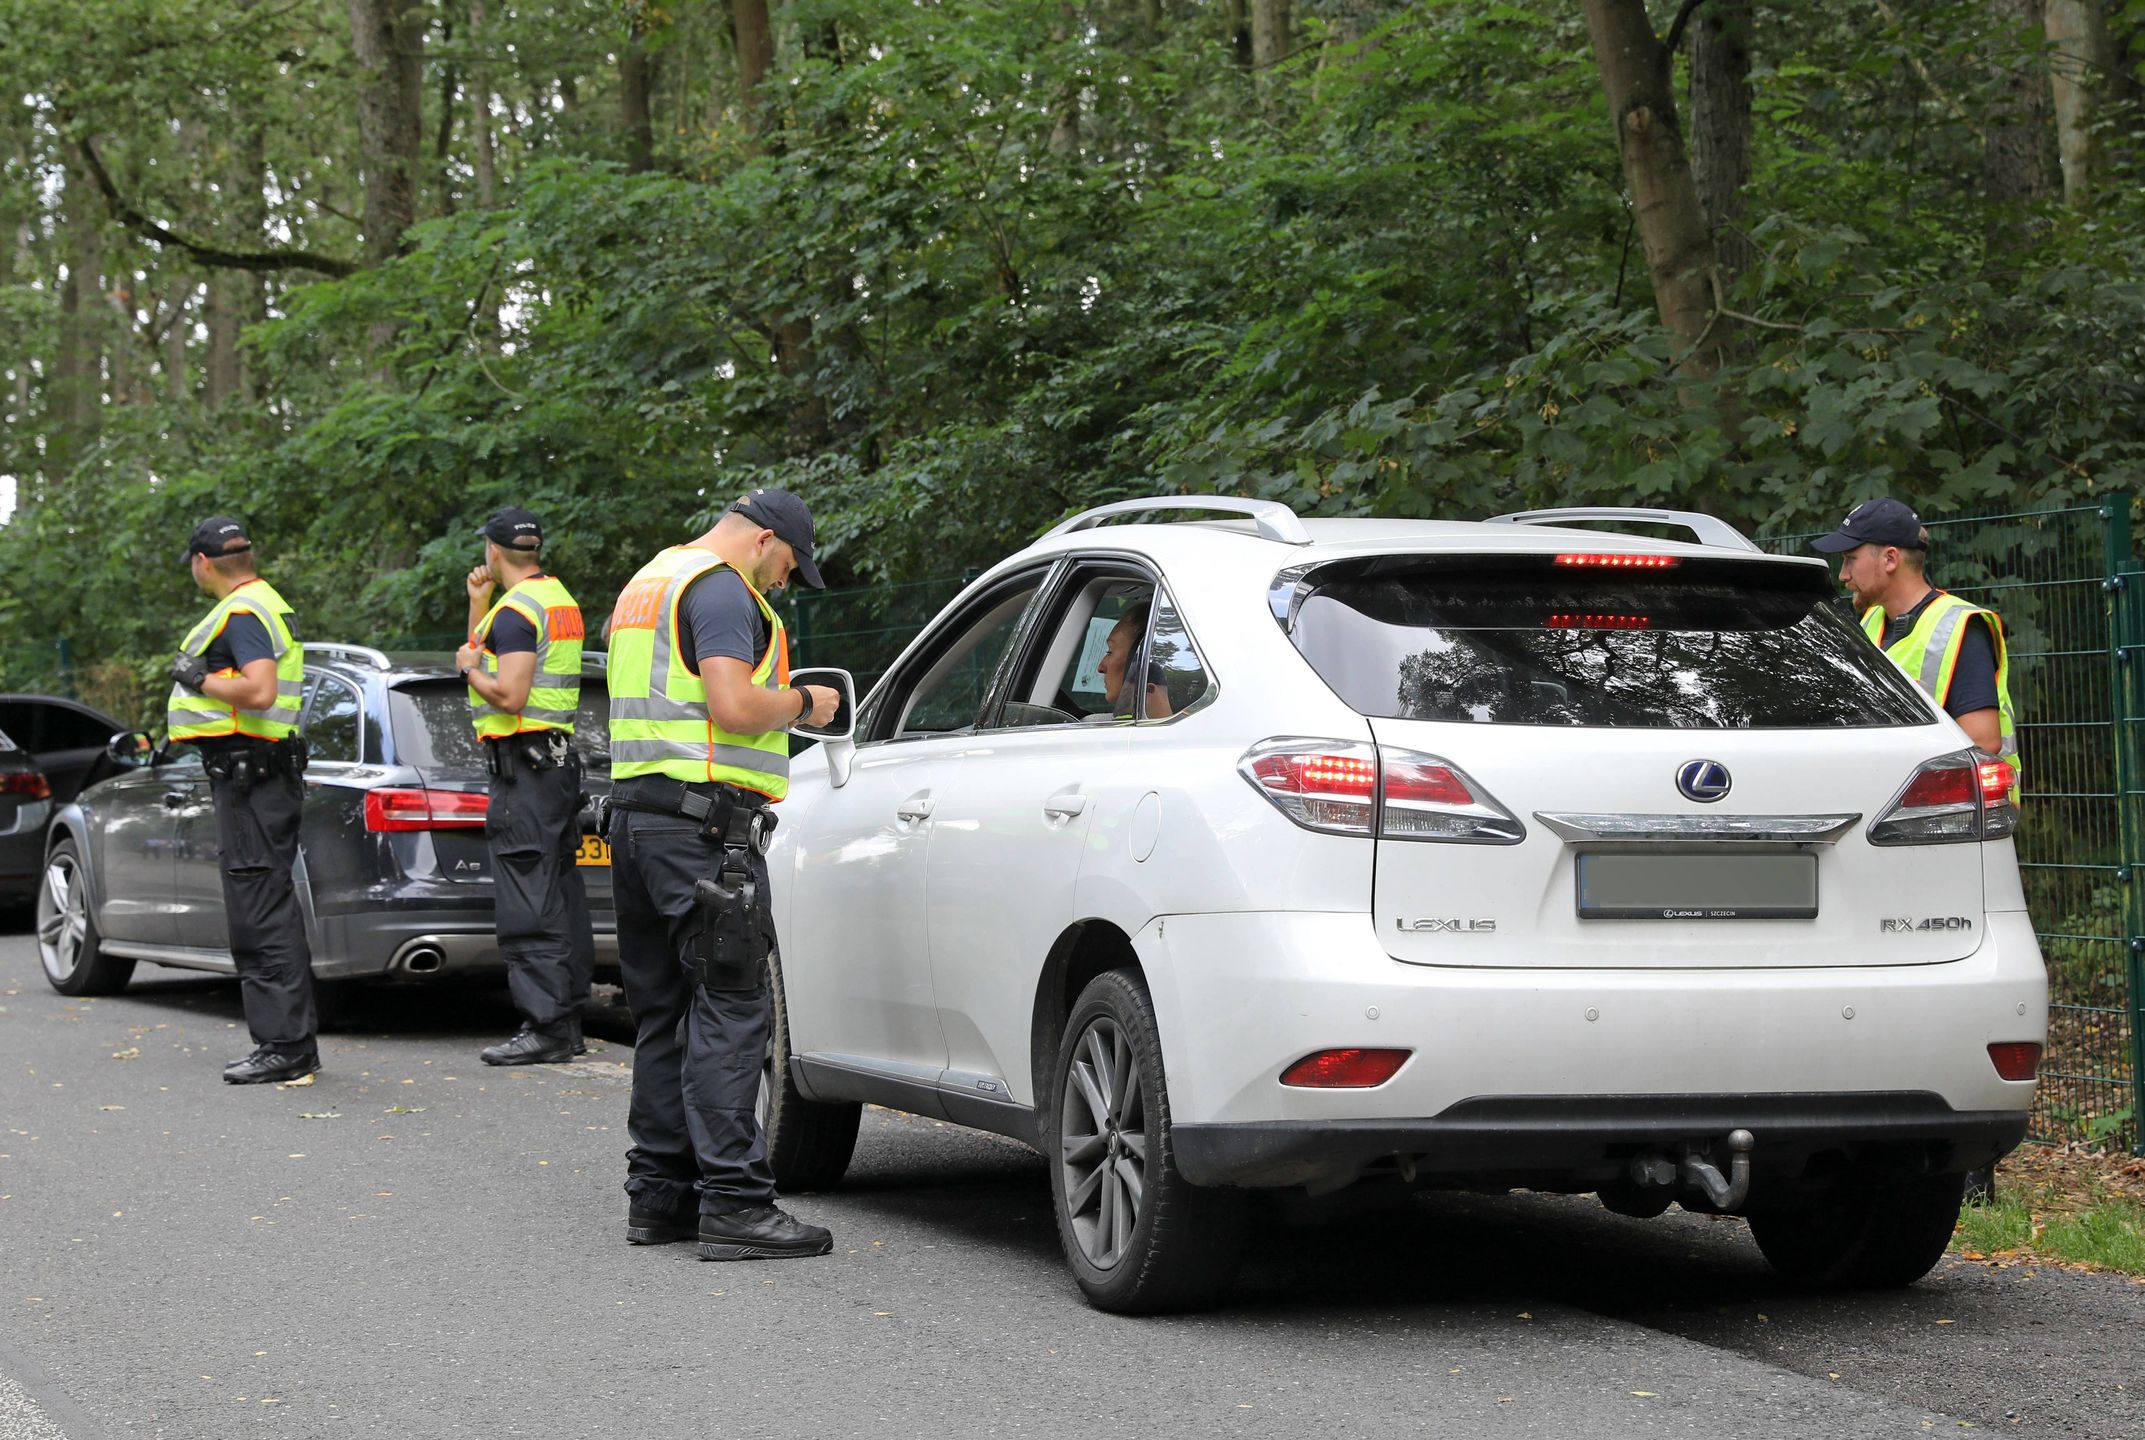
column 1114, row 654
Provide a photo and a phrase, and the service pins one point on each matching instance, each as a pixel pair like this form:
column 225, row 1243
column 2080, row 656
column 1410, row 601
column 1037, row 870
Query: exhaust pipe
column 422, row 958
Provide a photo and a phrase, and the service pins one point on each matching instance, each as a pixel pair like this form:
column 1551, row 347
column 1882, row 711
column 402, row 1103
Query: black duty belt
column 736, row 817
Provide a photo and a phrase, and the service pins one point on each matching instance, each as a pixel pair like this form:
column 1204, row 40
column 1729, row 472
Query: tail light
column 30, row 784
column 396, row 810
column 2016, row 1059
column 1949, row 799
column 1339, row 787
column 1615, row 561
column 1349, row 1069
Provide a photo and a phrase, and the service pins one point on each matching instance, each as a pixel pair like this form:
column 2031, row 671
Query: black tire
column 809, row 1142
column 1873, row 1232
column 68, row 944
column 1106, row 1137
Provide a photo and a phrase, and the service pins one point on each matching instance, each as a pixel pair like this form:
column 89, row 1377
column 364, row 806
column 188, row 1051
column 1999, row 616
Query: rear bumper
column 1575, row 1141
column 425, row 944
column 1538, row 1073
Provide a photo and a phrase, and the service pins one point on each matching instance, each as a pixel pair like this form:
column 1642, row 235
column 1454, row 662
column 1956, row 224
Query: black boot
column 268, row 1063
column 760, row 1232
column 656, row 1227
column 531, row 1046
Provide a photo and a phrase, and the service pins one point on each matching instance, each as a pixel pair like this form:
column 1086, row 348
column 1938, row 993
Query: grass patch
column 1993, row 1229
column 2111, row 1236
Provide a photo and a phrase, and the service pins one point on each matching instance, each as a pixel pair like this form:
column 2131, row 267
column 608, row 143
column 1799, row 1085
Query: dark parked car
column 69, row 741
column 25, row 807
column 393, row 874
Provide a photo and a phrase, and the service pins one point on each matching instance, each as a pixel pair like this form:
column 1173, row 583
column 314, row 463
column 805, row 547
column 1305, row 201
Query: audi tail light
column 1949, row 799
column 29, row 784
column 1341, row 787
column 389, row 811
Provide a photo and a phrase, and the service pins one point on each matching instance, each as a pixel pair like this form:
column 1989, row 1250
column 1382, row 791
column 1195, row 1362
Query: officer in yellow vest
column 523, row 668
column 701, row 707
column 1953, row 649
column 236, row 686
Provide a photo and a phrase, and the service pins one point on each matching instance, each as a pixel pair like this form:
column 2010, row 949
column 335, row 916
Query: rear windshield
column 433, row 729
column 1705, row 645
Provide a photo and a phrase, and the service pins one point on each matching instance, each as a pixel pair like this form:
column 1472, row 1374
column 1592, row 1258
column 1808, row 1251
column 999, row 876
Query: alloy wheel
column 1103, row 1122
column 62, row 918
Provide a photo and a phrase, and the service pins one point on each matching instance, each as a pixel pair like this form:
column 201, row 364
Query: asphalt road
column 417, row 1246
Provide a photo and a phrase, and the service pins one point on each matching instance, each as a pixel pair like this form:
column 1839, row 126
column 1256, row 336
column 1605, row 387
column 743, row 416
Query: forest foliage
column 360, row 270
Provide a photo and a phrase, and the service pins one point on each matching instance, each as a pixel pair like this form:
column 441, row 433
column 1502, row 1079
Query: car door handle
column 1065, row 807
column 175, row 799
column 914, row 809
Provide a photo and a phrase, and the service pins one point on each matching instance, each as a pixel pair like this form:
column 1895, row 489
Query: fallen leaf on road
column 294, row 1084
column 1526, row 1315
column 1504, row 1399
column 1646, row 1394
column 132, row 1052
column 109, row 1108
column 1947, row 1322
column 319, row 1115
column 404, row 1110
column 295, row 1155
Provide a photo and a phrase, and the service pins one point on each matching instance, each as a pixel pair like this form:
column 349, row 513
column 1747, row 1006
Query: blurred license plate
column 595, row 850
column 1619, row 886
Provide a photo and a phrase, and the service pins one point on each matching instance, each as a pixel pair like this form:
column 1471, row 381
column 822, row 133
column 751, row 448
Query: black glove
column 190, row 671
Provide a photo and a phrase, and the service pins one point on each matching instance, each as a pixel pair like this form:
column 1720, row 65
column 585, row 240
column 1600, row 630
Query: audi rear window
column 1548, row 640
column 433, row 729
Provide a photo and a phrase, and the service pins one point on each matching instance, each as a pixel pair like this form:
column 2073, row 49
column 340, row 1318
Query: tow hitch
column 1653, row 1180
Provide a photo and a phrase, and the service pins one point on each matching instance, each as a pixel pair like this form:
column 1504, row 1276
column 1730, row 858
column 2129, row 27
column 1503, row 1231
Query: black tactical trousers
column 257, row 835
column 697, row 1053
column 533, row 830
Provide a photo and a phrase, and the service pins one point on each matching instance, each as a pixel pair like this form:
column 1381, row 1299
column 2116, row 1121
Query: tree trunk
column 754, row 40
column 1720, row 41
column 121, row 361
column 486, row 157
column 177, row 383
column 2014, row 161
column 75, row 394
column 1269, row 33
column 2080, row 58
column 1635, row 75
column 1238, row 13
column 237, row 299
column 387, row 40
column 636, row 80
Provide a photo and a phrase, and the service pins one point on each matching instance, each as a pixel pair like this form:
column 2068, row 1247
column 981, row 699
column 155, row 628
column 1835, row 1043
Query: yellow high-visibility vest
column 1929, row 653
column 660, row 723
column 555, row 694
column 189, row 716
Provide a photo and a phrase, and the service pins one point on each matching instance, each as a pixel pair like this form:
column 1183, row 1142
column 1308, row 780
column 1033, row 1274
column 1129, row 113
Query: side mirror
column 130, row 749
column 837, row 737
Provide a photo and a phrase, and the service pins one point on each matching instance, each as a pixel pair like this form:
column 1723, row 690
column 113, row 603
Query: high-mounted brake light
column 1341, row 787
column 1596, row 622
column 1345, row 1069
column 2016, row 1059
column 29, row 783
column 1949, row 799
column 1614, row 561
column 390, row 811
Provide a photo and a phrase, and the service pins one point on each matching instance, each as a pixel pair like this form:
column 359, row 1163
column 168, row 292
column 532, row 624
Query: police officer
column 1953, row 649
column 523, row 668
column 700, row 707
column 236, row 685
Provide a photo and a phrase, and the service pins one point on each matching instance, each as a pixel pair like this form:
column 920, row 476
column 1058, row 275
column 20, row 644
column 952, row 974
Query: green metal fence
column 2066, row 583
column 861, row 630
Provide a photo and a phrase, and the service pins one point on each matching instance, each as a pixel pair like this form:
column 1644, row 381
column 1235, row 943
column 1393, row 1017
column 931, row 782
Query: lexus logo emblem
column 1703, row 780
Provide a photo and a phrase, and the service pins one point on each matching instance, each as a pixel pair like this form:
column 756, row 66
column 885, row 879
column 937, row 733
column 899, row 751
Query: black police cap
column 217, row 535
column 1875, row 522
column 513, row 528
column 791, row 520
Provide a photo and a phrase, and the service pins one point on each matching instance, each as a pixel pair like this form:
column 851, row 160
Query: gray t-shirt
column 719, row 619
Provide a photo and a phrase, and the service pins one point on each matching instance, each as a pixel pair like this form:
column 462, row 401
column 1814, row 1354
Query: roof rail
column 366, row 653
column 1710, row 531
column 1274, row 520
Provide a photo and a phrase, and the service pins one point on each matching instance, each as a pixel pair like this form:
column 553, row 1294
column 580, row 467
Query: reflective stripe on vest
column 1929, row 653
column 659, row 713
column 189, row 716
column 555, row 690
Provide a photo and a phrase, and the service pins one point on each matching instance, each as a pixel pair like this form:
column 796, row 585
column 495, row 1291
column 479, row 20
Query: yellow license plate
column 595, row 850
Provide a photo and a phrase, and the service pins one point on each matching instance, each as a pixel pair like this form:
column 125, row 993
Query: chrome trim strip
column 1579, row 828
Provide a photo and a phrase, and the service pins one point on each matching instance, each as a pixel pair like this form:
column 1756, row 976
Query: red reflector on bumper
column 1345, row 1069
column 2016, row 1060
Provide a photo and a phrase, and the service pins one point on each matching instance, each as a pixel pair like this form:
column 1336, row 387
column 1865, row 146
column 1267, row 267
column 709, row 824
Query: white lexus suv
column 1263, row 852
